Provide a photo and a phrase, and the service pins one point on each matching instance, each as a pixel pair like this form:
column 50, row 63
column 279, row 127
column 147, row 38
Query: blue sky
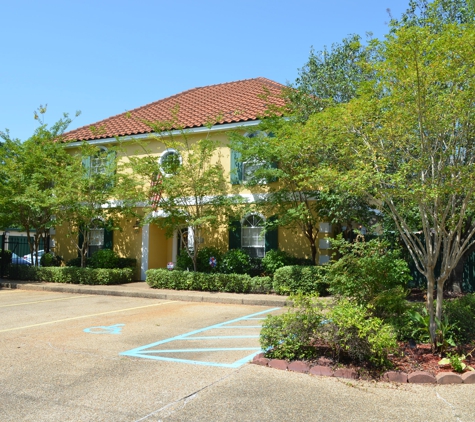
column 105, row 57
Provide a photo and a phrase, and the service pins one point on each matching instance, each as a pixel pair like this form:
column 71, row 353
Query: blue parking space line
column 217, row 337
column 211, row 349
column 233, row 365
column 248, row 358
column 142, row 352
column 243, row 326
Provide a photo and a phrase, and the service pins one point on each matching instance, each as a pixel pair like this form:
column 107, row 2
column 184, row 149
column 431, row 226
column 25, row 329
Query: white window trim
column 103, row 167
column 262, row 243
column 164, row 154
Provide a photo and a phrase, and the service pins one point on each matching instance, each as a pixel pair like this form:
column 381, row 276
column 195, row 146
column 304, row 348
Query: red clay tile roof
column 231, row 102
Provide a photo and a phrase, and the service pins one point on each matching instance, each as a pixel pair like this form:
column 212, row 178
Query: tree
column 435, row 15
column 96, row 196
column 304, row 194
column 292, row 174
column 32, row 173
column 331, row 76
column 408, row 141
column 188, row 193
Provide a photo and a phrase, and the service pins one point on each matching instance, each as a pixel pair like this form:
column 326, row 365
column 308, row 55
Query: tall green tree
column 408, row 141
column 330, row 76
column 188, row 192
column 96, row 197
column 304, row 195
column 31, row 174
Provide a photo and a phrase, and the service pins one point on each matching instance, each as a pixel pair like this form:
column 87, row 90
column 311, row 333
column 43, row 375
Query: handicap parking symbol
column 111, row 329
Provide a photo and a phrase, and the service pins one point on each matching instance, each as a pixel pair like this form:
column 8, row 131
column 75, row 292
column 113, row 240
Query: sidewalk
column 142, row 289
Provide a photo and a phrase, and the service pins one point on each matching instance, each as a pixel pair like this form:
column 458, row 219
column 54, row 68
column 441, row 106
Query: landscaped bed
column 347, row 340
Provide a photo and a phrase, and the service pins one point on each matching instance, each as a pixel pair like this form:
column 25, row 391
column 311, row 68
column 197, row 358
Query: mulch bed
column 409, row 359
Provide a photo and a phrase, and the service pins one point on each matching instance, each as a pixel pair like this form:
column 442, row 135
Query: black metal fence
column 13, row 248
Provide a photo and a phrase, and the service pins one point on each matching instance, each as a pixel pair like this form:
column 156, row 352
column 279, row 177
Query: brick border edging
column 418, row 377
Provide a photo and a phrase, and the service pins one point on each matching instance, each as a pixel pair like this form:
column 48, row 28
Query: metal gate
column 12, row 250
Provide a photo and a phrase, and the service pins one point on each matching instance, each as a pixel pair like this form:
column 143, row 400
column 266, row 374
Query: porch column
column 145, row 245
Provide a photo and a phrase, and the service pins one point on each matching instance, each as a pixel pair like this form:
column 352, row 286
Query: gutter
column 197, row 130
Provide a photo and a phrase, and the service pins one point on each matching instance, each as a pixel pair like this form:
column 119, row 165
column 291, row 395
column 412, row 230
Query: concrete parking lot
column 77, row 357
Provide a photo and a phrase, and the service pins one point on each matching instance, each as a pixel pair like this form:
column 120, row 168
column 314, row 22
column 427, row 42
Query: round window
column 170, row 160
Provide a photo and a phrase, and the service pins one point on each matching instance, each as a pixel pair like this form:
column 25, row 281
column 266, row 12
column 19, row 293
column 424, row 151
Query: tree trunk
column 313, row 247
column 430, row 305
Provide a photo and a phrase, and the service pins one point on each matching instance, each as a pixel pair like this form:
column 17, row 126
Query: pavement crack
column 187, row 398
column 452, row 407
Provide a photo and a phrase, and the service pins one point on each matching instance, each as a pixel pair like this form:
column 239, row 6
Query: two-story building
column 236, row 106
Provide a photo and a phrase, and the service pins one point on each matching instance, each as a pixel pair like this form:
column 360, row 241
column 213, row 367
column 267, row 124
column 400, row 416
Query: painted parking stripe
column 150, row 352
column 85, row 316
column 43, row 301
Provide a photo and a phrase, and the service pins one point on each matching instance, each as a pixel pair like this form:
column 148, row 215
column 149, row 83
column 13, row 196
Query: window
column 248, row 234
column 96, row 239
column 99, row 237
column 102, row 163
column 244, row 171
column 169, row 162
column 252, row 236
column 99, row 162
column 249, row 168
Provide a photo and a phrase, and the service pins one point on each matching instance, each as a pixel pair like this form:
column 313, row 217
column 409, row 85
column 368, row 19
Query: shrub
column 23, row 272
column 290, row 336
column 460, row 313
column 73, row 275
column 8, row 257
column 261, row 284
column 215, row 282
column 348, row 330
column 49, row 259
column 235, row 261
column 353, row 331
column 296, row 279
column 275, row 259
column 75, row 262
column 103, row 258
column 370, row 273
column 184, row 262
column 126, row 263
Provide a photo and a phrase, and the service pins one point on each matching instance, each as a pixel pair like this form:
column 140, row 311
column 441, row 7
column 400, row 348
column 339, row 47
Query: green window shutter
column 236, row 168
column 235, row 235
column 272, row 237
column 86, row 163
column 111, row 168
column 108, row 236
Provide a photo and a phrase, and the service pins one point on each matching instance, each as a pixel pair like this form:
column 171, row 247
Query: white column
column 145, row 243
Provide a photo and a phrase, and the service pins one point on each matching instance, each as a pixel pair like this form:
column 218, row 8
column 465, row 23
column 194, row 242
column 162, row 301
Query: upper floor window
column 244, row 171
column 169, row 162
column 99, row 161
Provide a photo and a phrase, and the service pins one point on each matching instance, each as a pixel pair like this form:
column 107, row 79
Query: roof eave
column 164, row 134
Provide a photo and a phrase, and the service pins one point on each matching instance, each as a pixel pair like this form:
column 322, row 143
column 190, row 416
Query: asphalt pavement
column 123, row 355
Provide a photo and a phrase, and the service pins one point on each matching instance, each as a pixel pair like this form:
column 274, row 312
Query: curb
column 142, row 290
column 418, row 377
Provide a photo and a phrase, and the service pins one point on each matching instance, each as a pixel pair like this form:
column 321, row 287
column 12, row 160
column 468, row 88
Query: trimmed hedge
column 215, row 282
column 73, row 275
column 298, row 279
